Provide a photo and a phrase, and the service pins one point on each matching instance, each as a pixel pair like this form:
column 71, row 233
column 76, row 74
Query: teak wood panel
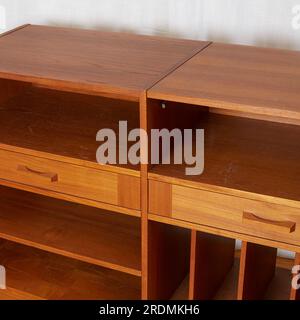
column 212, row 257
column 9, row 89
column 242, row 78
column 96, row 62
column 76, row 231
column 257, row 218
column 35, row 274
column 168, row 259
column 257, row 268
column 70, row 179
column 223, row 232
column 144, row 200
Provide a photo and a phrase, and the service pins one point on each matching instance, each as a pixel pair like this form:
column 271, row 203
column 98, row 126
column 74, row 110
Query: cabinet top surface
column 241, row 78
column 109, row 62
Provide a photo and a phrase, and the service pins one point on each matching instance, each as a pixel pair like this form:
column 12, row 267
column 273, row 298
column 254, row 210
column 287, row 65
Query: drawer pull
column 282, row 226
column 51, row 176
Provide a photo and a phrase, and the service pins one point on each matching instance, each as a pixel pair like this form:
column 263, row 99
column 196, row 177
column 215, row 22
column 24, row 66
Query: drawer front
column 257, row 218
column 70, row 179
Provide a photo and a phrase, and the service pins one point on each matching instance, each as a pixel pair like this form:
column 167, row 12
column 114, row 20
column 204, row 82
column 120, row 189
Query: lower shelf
column 278, row 289
column 76, row 231
column 229, row 287
column 35, row 274
column 216, row 270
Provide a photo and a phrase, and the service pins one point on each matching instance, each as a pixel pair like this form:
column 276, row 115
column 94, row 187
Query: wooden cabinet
column 248, row 106
column 130, row 231
column 60, row 208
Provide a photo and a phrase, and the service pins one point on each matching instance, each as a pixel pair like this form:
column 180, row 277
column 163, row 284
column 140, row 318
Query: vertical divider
column 257, row 269
column 211, row 259
column 144, row 198
column 295, row 294
column 165, row 249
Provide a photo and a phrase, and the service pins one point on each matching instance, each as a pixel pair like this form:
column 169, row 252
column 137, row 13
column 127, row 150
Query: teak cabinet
column 71, row 228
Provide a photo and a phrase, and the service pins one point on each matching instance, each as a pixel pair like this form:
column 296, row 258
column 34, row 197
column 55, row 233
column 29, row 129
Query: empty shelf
column 237, row 151
column 34, row 274
column 76, row 231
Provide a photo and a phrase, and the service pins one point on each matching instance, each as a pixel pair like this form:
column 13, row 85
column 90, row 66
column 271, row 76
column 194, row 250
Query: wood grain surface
column 35, row 274
column 72, row 230
column 242, row 78
column 109, row 63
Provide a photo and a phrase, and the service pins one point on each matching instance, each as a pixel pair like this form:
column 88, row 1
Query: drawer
column 89, row 183
column 241, row 215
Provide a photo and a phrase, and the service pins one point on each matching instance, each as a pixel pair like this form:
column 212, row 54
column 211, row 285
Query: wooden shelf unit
column 61, row 206
column 125, row 231
column 246, row 99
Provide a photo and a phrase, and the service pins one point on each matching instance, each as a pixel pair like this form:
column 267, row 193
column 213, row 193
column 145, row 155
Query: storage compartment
column 263, row 275
column 48, row 141
column 73, row 230
column 241, row 154
column 250, row 182
column 32, row 274
column 213, row 267
column 60, row 123
column 219, row 270
column 216, row 268
column 168, row 261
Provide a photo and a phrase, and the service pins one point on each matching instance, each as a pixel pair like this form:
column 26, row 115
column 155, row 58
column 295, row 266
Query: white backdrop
column 259, row 22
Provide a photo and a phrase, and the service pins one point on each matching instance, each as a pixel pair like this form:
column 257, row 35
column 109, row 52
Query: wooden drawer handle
column 49, row 175
column 282, row 226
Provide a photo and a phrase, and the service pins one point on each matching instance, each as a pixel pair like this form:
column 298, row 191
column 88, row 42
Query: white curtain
column 258, row 22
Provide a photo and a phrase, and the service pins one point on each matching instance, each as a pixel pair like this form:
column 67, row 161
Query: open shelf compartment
column 61, row 125
column 85, row 233
column 221, row 271
column 168, row 261
column 236, row 150
column 216, row 268
column 264, row 275
column 32, row 274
